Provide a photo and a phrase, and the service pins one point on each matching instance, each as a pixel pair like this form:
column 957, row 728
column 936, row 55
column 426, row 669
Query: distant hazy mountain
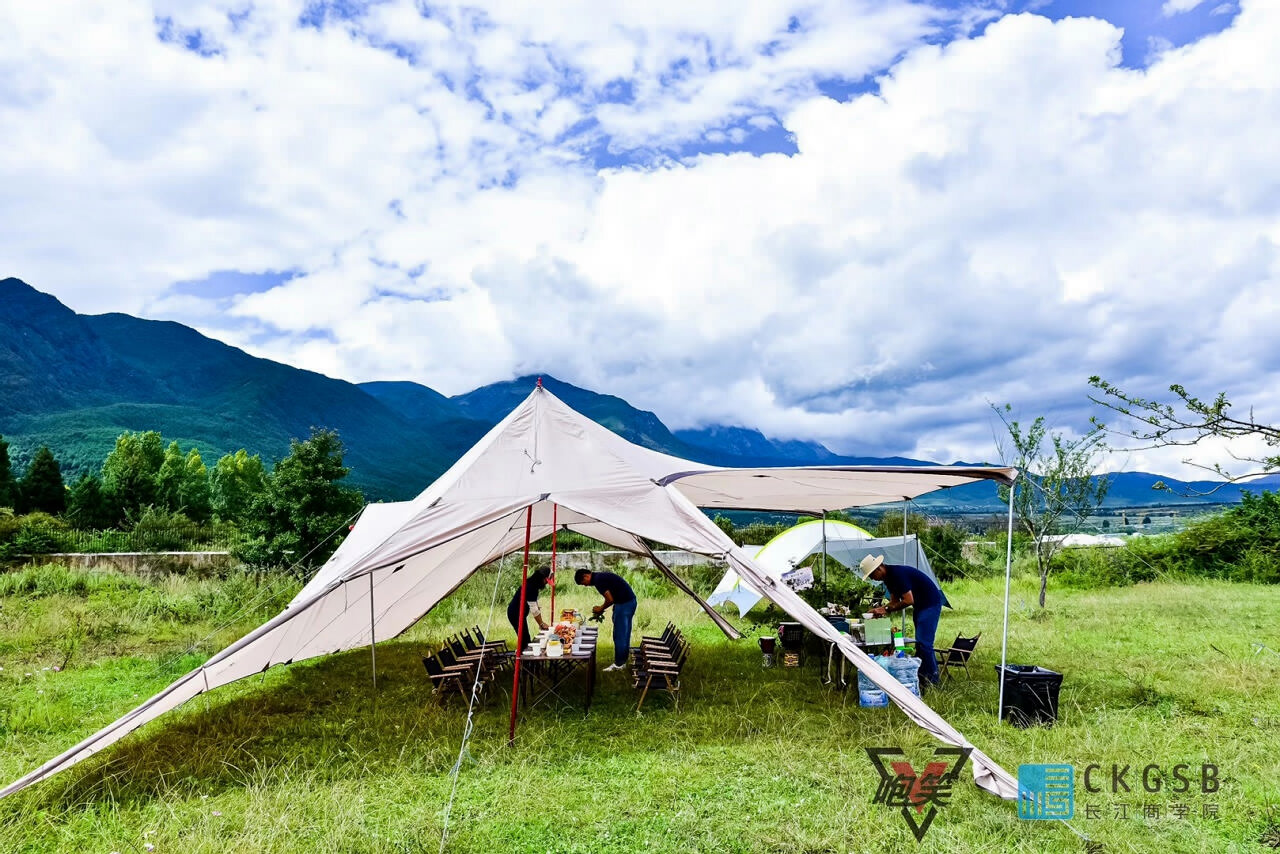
column 75, row 382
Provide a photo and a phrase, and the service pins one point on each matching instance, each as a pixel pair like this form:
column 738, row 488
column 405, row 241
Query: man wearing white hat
column 909, row 586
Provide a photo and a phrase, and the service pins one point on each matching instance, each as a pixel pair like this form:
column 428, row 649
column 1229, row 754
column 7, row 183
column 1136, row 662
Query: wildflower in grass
column 216, row 812
column 149, row 847
column 55, row 669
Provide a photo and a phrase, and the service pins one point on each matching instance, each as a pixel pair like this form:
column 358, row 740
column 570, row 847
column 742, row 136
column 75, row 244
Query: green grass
column 304, row 759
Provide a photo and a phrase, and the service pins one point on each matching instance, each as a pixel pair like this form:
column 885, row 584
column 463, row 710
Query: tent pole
column 554, row 530
column 1008, row 570
column 824, row 553
column 524, row 586
column 373, row 640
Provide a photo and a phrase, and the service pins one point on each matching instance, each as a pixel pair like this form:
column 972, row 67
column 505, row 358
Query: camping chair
column 470, row 666
column 444, row 680
column 660, row 674
column 499, row 645
column 494, row 656
column 956, row 655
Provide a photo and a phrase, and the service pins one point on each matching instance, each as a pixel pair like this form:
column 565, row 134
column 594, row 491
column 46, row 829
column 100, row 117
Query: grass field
column 304, row 759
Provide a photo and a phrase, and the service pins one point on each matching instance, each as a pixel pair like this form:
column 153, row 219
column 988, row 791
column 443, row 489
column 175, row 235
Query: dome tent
column 843, row 541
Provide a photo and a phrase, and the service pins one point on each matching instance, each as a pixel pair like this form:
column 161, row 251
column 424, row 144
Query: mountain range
column 74, row 382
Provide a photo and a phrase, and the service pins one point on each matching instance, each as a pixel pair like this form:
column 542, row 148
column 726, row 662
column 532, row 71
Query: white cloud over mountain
column 465, row 196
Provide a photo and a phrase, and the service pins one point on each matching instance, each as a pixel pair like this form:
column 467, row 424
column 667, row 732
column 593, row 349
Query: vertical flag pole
column 524, row 586
column 1008, row 570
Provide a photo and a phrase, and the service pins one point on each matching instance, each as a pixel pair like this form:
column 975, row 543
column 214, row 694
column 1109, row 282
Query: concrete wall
column 144, row 563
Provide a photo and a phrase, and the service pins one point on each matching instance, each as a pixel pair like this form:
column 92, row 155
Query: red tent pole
column 524, row 585
column 554, row 508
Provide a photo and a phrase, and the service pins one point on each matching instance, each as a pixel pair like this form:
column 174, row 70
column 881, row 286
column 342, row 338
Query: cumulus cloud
column 996, row 218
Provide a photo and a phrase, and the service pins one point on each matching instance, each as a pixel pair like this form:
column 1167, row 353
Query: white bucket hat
column 869, row 565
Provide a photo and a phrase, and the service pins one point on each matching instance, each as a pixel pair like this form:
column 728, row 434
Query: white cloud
column 1177, row 7
column 1007, row 215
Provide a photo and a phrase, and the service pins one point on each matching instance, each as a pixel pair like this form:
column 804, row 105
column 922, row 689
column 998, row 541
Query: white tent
column 402, row 559
column 843, row 541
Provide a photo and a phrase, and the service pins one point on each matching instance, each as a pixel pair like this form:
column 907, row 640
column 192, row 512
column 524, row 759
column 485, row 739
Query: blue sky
column 860, row 222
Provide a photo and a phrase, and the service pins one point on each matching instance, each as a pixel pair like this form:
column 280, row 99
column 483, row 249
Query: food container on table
column 555, row 648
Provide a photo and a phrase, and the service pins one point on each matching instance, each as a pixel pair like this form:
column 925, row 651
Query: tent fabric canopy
column 402, row 559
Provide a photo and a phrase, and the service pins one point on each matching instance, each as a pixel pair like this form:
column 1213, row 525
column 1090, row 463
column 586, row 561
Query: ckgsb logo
column 1046, row 791
column 917, row 793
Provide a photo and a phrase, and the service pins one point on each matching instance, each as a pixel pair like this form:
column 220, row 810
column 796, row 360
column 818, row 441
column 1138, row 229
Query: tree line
column 292, row 513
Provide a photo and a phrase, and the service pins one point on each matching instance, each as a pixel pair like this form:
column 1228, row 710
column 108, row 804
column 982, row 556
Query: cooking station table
column 840, row 680
column 544, row 677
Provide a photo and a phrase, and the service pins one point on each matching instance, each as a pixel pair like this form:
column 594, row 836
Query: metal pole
column 373, row 641
column 524, row 586
column 824, row 553
column 1008, row 570
column 554, row 525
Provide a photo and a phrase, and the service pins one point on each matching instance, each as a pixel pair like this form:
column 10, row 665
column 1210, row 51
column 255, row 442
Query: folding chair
column 444, row 679
column 956, row 655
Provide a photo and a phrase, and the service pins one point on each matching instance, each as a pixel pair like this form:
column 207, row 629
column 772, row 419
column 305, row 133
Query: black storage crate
column 1030, row 694
column 791, row 636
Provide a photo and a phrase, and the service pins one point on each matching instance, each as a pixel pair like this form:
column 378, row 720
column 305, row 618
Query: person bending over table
column 909, row 586
column 618, row 594
column 516, row 615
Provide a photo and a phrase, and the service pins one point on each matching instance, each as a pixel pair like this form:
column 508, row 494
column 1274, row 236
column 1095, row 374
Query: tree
column 182, row 484
column 169, row 478
column 1186, row 421
column 302, row 505
column 42, row 489
column 193, row 492
column 8, row 486
column 1058, row 488
column 129, row 473
column 87, row 504
column 235, row 481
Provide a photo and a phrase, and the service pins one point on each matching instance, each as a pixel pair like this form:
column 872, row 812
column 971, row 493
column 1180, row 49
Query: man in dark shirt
column 618, row 594
column 909, row 586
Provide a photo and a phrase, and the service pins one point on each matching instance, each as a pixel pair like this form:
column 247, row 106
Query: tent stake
column 373, row 641
column 1008, row 569
column 524, row 586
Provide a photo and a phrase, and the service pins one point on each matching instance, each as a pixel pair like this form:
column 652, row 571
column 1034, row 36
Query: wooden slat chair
column 667, row 634
column 956, row 655
column 445, row 680
column 658, row 673
column 495, row 653
column 471, row 664
column 666, row 651
column 499, row 645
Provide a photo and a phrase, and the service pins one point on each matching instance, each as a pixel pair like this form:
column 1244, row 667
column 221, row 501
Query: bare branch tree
column 1186, row 421
column 1059, row 488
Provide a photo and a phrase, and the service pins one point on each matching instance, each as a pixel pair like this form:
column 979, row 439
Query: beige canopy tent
column 402, row 559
